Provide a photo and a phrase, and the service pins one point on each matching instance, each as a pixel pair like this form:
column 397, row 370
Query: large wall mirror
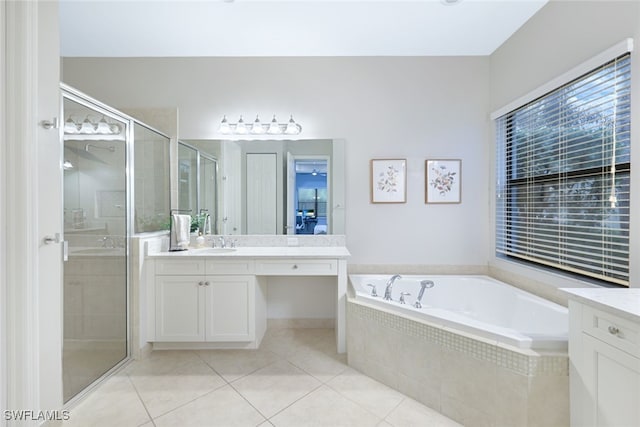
column 265, row 187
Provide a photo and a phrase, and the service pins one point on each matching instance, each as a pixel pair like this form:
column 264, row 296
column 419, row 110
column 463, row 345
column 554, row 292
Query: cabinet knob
column 613, row 330
column 207, row 283
column 295, row 266
column 200, row 283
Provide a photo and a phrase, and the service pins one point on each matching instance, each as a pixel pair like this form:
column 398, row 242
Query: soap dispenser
column 200, row 240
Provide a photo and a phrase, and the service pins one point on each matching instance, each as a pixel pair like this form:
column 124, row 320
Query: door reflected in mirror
column 271, row 186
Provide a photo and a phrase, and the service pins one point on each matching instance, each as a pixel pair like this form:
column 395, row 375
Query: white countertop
column 622, row 302
column 261, row 252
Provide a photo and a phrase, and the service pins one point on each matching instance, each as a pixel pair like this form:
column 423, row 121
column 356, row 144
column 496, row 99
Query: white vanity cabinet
column 604, row 352
column 205, row 301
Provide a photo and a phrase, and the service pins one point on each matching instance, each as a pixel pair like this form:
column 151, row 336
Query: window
column 563, row 177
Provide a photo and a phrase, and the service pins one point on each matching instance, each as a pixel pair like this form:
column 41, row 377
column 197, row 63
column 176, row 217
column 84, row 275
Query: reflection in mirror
column 198, row 186
column 272, row 186
column 151, row 157
column 310, row 195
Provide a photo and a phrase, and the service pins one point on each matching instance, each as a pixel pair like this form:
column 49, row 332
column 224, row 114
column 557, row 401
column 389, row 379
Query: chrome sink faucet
column 387, row 290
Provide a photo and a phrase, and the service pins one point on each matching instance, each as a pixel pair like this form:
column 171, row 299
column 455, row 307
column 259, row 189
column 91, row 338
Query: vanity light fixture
column 87, row 127
column 259, row 128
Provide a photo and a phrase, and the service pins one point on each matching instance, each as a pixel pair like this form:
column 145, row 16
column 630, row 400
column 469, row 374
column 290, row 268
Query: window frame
column 504, row 215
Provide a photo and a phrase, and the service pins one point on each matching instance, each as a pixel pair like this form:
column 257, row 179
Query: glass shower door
column 96, row 230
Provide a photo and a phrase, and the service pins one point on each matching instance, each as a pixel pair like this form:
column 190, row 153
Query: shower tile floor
column 296, row 378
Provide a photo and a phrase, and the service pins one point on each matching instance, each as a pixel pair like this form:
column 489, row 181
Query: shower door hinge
column 53, row 124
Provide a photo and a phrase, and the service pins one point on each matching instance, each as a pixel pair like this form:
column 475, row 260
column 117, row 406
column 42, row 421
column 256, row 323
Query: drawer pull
column 613, row 330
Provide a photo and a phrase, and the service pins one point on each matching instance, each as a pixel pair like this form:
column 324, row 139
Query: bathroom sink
column 215, row 250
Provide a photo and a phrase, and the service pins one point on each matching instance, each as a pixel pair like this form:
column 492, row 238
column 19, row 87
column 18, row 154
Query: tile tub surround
column 468, row 379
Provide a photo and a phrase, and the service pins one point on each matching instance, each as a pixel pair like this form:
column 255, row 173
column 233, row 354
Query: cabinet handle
column 295, row 266
column 207, row 283
column 200, row 283
column 613, row 330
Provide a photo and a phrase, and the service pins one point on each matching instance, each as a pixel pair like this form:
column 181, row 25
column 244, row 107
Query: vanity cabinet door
column 180, row 308
column 612, row 385
column 230, row 313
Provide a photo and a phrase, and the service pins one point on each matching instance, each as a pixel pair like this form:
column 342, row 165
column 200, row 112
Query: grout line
column 210, row 367
column 185, row 403
column 141, row 400
column 404, row 397
column 250, row 404
column 295, row 401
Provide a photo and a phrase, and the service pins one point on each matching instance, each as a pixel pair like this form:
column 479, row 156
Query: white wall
column 414, row 108
column 558, row 38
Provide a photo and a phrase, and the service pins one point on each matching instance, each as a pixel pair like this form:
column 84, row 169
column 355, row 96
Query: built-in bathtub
column 478, row 305
column 480, row 351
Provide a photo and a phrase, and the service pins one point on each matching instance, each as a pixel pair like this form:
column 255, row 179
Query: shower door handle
column 65, row 250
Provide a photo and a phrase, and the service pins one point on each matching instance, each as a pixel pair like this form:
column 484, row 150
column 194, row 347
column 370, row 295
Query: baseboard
column 301, row 323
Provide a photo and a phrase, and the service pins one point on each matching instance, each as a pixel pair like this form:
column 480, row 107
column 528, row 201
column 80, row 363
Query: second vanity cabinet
column 200, row 300
column 604, row 350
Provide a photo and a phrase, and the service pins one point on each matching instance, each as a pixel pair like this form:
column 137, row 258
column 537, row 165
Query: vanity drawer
column 180, row 266
column 315, row 267
column 230, row 266
column 616, row 331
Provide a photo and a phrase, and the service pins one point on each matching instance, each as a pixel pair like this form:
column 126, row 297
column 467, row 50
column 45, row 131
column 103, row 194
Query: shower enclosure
column 100, row 215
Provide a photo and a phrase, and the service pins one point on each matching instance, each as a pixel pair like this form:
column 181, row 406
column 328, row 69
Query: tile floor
column 295, row 379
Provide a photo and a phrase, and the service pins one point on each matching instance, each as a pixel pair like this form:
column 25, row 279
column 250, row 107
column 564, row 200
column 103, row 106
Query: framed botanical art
column 443, row 181
column 388, row 180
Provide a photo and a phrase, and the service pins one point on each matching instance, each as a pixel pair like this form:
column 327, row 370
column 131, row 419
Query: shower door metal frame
column 76, row 96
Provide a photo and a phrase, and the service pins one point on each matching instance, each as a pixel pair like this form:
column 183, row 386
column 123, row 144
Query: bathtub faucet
column 387, row 290
column 424, row 284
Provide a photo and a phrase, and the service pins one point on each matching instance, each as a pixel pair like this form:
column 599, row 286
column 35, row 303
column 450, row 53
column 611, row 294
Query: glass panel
column 209, row 190
column 95, row 227
column 152, row 187
column 187, row 178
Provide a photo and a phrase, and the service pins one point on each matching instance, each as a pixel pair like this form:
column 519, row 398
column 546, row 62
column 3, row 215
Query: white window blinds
column 563, row 171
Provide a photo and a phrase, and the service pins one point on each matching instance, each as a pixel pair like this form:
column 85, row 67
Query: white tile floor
column 295, row 379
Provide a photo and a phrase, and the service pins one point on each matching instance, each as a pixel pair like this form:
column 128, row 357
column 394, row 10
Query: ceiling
column 166, row 28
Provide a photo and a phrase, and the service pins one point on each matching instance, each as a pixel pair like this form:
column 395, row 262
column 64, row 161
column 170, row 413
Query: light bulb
column 241, row 127
column 103, row 127
column 87, row 127
column 70, row 126
column 292, row 127
column 224, row 126
column 274, row 127
column 257, row 126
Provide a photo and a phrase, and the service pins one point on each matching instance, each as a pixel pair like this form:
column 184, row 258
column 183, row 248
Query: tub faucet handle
column 402, row 295
column 374, row 292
